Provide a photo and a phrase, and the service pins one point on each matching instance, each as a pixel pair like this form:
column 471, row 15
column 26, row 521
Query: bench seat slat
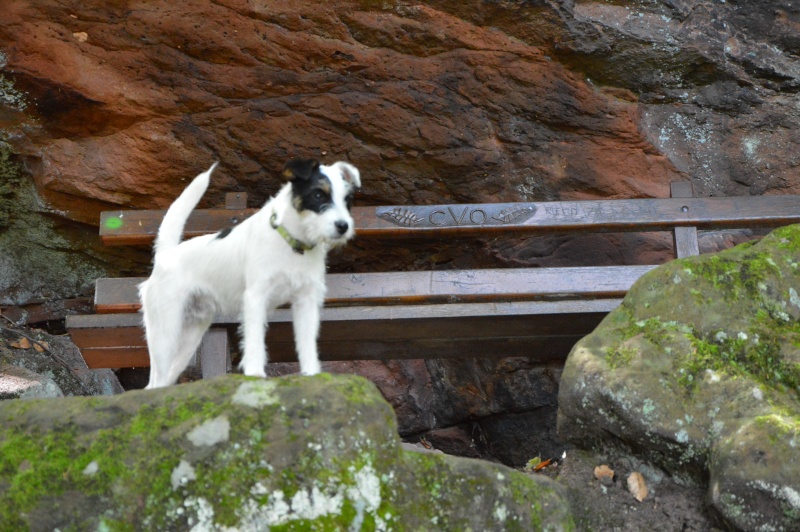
column 399, row 322
column 140, row 227
column 121, row 295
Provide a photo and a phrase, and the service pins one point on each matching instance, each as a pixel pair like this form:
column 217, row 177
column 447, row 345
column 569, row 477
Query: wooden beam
column 140, row 227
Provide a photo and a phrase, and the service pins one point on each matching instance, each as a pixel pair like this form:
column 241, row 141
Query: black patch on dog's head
column 311, row 189
column 225, row 232
column 300, row 169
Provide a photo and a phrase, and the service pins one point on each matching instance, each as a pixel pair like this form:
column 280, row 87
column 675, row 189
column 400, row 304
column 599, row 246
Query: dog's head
column 322, row 196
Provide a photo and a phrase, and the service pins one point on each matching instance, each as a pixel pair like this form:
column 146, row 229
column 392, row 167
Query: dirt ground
column 601, row 507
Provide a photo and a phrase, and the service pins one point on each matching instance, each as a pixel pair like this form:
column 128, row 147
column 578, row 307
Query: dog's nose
column 341, row 226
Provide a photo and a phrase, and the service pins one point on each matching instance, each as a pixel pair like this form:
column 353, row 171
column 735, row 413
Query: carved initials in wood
column 456, row 215
column 439, row 217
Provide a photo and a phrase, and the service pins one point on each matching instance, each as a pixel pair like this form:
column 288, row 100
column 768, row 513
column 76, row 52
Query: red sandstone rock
column 432, row 107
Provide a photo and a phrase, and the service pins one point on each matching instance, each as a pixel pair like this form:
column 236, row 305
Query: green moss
column 31, row 463
column 757, row 357
column 42, row 465
column 700, row 299
column 626, row 327
column 787, row 238
column 620, row 356
column 781, row 426
column 737, row 277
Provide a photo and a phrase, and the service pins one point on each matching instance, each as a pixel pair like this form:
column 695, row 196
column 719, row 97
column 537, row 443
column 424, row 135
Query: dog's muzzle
column 341, row 226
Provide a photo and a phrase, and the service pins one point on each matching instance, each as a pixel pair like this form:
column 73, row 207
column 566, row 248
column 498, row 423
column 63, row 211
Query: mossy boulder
column 698, row 371
column 308, row 453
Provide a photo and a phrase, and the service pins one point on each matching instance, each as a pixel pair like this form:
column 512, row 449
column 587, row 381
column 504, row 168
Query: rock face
column 132, row 102
column 248, row 454
column 699, row 372
column 499, row 409
column 48, row 366
column 118, row 106
column 20, row 383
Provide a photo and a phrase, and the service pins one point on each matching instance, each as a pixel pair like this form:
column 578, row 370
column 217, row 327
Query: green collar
column 297, row 245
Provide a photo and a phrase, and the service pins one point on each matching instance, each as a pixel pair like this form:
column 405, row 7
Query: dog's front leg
column 254, row 325
column 305, row 318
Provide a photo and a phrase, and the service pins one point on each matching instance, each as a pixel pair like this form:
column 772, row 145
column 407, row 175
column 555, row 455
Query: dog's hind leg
column 163, row 337
column 190, row 340
column 254, row 331
column 174, row 333
column 305, row 318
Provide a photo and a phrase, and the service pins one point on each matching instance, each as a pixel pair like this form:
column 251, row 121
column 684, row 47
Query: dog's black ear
column 301, row 169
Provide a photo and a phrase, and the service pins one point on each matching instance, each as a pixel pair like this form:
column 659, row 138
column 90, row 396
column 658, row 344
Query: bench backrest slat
column 140, row 227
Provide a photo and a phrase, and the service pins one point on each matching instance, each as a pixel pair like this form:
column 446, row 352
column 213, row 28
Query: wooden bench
column 531, row 312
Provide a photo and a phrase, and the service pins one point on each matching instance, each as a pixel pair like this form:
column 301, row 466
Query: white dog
column 276, row 256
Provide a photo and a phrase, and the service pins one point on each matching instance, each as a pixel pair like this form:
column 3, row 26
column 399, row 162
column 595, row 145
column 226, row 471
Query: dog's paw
column 311, row 369
column 255, row 373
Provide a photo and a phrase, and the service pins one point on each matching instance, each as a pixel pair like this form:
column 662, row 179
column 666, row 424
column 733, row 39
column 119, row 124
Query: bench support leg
column 214, row 353
column 684, row 238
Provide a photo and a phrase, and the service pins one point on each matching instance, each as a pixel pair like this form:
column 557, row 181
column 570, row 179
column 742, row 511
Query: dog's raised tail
column 171, row 230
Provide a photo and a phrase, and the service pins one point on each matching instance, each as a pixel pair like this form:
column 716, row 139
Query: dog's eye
column 348, row 200
column 319, row 196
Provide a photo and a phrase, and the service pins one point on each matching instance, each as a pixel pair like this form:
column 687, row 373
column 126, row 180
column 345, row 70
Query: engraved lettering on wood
column 457, row 215
column 565, row 210
column 611, row 209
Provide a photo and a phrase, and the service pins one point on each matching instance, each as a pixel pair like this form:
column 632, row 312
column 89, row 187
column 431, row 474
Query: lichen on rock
column 699, row 371
column 318, row 453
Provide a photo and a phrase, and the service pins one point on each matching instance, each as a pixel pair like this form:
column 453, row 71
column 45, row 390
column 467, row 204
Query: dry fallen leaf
column 41, row 346
column 82, row 36
column 22, row 343
column 637, row 486
column 604, row 474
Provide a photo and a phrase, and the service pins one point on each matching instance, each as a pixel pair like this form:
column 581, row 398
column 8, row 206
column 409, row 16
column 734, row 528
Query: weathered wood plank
column 116, row 357
column 397, row 312
column 140, row 227
column 121, row 295
column 542, row 348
